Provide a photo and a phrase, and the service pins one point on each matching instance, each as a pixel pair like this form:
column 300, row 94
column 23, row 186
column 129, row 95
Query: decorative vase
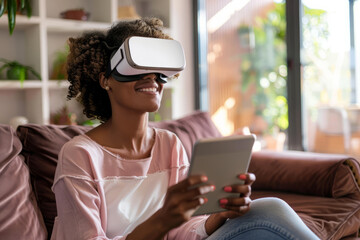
column 75, row 14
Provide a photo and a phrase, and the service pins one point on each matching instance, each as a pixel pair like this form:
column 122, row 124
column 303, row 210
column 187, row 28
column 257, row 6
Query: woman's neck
column 129, row 131
column 129, row 125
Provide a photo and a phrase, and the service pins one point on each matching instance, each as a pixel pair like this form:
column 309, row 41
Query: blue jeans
column 268, row 218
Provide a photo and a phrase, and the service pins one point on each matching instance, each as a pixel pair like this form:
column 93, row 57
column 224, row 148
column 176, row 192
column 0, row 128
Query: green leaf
column 22, row 4
column 4, row 60
column 15, row 66
column 34, row 72
column 11, row 6
column 28, row 8
column 2, row 68
column 2, row 7
column 16, row 73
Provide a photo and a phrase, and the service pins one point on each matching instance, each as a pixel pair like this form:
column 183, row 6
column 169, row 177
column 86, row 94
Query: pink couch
column 322, row 188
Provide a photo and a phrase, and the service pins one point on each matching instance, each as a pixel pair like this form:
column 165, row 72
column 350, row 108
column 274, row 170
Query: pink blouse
column 100, row 195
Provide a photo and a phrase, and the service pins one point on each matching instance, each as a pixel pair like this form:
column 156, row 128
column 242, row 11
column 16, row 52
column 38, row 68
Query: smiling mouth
column 147, row 90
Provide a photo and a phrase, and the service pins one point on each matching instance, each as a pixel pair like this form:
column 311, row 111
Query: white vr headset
column 139, row 56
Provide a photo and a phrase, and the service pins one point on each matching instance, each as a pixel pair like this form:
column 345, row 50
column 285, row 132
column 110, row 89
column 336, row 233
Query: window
column 330, row 76
column 248, row 82
column 247, row 72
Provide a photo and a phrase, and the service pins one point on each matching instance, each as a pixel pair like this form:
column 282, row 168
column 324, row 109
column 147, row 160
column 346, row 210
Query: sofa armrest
column 320, row 174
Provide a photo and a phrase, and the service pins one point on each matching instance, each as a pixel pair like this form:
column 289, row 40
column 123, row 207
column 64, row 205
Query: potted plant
column 12, row 7
column 17, row 71
column 63, row 117
column 59, row 65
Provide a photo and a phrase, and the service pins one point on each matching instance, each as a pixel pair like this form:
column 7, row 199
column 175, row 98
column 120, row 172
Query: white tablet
column 221, row 160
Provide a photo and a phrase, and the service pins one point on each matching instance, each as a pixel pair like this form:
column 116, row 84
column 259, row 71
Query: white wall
column 182, row 30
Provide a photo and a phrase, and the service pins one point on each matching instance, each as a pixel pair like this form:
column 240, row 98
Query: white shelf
column 58, row 84
column 21, row 21
column 52, row 84
column 65, row 25
column 15, row 84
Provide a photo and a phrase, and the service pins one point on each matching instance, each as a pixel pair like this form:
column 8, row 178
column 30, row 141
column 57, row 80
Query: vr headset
column 139, row 56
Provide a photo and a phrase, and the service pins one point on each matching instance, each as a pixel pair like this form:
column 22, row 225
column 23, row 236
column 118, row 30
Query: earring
column 107, row 88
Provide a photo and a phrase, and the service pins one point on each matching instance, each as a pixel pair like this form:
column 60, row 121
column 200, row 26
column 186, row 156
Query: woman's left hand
column 236, row 207
column 240, row 205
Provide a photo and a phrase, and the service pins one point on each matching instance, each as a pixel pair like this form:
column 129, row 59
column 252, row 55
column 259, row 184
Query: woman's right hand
column 182, row 199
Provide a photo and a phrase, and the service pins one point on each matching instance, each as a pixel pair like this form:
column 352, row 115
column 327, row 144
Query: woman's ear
column 103, row 81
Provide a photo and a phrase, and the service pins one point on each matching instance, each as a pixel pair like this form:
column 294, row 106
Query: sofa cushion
column 20, row 217
column 328, row 218
column 190, row 128
column 322, row 188
column 41, row 146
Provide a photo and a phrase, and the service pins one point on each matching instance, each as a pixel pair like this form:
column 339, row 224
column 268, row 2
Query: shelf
column 21, row 21
column 15, row 84
column 58, row 84
column 61, row 84
column 52, row 84
column 66, row 25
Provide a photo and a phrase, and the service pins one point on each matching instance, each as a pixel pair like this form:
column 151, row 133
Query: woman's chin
column 153, row 110
column 154, row 107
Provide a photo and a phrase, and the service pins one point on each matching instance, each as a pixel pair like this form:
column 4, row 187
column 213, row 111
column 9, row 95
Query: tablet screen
column 221, row 160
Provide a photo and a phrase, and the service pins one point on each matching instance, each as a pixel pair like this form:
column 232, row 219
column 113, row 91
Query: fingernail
column 204, row 178
column 244, row 208
column 206, row 189
column 228, row 189
column 242, row 177
column 203, row 200
column 223, row 201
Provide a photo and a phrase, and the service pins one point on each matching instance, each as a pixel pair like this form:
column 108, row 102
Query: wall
column 182, row 28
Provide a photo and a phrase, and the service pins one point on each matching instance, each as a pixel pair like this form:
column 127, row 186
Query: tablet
column 221, row 160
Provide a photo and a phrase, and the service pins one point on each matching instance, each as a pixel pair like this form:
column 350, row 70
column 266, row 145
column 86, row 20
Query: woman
column 125, row 180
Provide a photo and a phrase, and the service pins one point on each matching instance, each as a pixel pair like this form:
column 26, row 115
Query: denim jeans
column 268, row 218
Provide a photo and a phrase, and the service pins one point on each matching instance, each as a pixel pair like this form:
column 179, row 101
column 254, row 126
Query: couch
column 322, row 188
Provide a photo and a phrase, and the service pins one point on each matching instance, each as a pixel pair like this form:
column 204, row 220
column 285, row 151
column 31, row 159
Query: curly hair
column 89, row 57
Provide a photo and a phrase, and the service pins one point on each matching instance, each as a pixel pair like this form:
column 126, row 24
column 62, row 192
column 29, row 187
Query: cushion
column 328, row 218
column 20, row 217
column 190, row 128
column 41, row 146
column 325, row 175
